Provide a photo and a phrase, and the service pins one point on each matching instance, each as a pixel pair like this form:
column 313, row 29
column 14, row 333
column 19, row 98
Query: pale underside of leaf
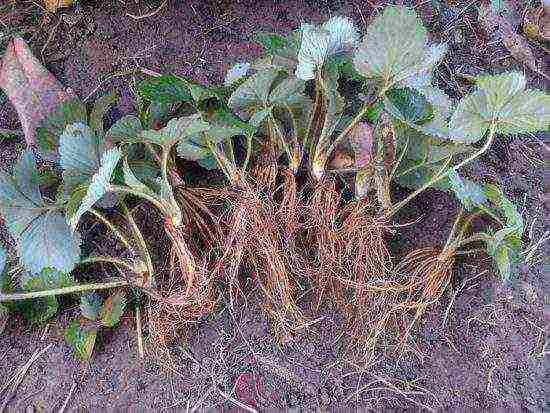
column 253, row 93
column 394, row 47
column 99, row 186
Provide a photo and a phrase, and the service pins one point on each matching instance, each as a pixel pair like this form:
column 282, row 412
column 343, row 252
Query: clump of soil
column 474, row 349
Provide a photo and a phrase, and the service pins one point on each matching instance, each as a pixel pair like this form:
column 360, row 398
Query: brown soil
column 489, row 354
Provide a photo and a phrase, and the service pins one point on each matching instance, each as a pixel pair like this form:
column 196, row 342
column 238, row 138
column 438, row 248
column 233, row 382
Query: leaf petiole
column 63, row 291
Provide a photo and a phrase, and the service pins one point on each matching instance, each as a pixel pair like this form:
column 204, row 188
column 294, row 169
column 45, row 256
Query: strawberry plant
column 308, row 172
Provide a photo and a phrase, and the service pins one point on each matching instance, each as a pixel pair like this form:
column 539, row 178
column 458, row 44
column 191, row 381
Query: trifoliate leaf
column 99, row 186
column 253, row 93
column 396, row 47
column 501, row 99
column 112, row 310
column 82, row 338
column 90, row 305
column 49, row 131
column 176, row 130
column 43, row 237
column 126, row 129
column 100, row 109
column 470, row 194
column 237, row 72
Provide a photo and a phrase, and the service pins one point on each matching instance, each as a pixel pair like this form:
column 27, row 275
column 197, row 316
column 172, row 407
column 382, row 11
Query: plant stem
column 442, row 173
column 139, row 194
column 63, row 291
column 108, row 260
column 138, row 236
column 112, row 227
column 454, row 228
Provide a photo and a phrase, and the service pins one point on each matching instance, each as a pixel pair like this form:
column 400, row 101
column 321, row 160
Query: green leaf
column 285, row 93
column 38, row 311
column 470, row 194
column 504, row 100
column 337, row 35
column 80, row 153
column 176, row 130
column 90, row 305
column 71, row 111
column 166, row 89
column 99, row 186
column 236, row 73
column 253, row 93
column 413, row 105
column 132, row 181
column 82, row 338
column 3, row 260
column 514, row 220
column 47, row 279
column 102, row 105
column 127, row 129
column 425, row 156
column 506, row 254
column 43, row 237
column 112, row 310
column 272, row 43
column 396, row 47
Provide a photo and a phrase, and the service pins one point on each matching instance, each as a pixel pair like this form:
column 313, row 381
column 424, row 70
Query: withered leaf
column 33, row 90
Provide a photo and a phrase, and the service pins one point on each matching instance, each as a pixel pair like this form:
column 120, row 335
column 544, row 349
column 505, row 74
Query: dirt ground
column 486, row 353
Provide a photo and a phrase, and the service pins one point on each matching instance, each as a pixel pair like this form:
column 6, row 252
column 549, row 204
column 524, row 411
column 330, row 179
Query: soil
column 489, row 352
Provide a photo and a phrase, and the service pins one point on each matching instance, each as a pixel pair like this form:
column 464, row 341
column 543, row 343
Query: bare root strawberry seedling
column 307, row 195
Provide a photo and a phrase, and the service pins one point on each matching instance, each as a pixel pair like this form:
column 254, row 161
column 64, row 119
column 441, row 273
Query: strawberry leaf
column 82, row 338
column 236, row 73
column 337, row 35
column 175, row 131
column 127, row 129
column 43, row 238
column 90, row 305
column 470, row 194
column 101, row 106
column 501, row 99
column 33, row 90
column 99, row 185
column 396, row 48
column 112, row 310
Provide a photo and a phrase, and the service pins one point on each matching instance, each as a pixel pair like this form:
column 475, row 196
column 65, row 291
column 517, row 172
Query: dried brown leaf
column 33, row 90
column 53, row 5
